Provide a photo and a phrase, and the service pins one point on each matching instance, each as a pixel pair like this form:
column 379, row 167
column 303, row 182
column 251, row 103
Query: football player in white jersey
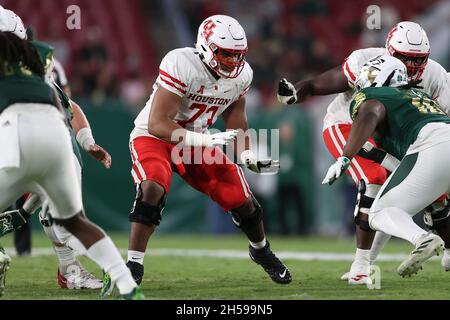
column 194, row 87
column 408, row 42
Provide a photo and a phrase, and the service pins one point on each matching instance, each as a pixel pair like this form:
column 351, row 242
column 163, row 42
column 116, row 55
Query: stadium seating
column 123, row 25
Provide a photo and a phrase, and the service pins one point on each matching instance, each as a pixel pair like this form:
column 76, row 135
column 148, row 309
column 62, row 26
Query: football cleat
column 137, row 271
column 109, row 287
column 5, row 260
column 446, row 260
column 136, row 294
column 277, row 271
column 359, row 273
column 345, row 276
column 74, row 276
column 427, row 246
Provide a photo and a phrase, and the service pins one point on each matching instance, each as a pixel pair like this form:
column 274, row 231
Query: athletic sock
column 65, row 255
column 378, row 244
column 106, row 255
column 136, row 256
column 259, row 245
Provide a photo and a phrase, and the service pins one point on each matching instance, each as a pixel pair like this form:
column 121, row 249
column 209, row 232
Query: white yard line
column 238, row 254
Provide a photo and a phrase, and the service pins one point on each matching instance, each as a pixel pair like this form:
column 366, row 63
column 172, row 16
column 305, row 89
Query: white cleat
column 359, row 274
column 5, row 260
column 446, row 260
column 74, row 276
column 345, row 276
column 427, row 246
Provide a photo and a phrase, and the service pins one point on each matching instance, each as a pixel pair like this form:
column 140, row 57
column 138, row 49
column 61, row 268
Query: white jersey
column 435, row 82
column 204, row 97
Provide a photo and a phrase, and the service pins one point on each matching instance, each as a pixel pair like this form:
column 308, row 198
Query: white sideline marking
column 238, row 254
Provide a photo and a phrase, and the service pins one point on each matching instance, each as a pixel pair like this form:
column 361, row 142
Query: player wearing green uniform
column 411, row 126
column 37, row 154
column 71, row 274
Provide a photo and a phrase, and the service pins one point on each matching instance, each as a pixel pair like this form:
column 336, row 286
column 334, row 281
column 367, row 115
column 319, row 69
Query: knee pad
column 145, row 213
column 437, row 216
column 364, row 201
column 244, row 221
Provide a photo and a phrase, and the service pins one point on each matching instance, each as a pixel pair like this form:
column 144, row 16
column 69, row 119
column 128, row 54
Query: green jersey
column 407, row 112
column 18, row 84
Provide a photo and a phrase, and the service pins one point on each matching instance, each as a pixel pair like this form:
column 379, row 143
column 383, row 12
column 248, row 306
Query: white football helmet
column 11, row 22
column 222, row 45
column 408, row 42
column 382, row 71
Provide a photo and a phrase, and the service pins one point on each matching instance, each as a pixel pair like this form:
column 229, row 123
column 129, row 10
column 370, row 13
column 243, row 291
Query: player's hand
column 100, row 154
column 286, row 92
column 336, row 170
column 222, row 138
column 267, row 166
column 371, row 152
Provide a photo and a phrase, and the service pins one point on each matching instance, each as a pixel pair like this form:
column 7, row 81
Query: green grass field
column 197, row 277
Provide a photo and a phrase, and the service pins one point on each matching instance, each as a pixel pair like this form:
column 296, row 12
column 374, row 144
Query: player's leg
column 64, row 194
column 152, row 175
column 9, row 192
column 71, row 274
column 420, row 179
column 13, row 181
column 225, row 183
column 368, row 176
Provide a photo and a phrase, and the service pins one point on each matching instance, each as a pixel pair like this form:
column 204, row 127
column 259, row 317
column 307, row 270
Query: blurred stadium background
column 112, row 61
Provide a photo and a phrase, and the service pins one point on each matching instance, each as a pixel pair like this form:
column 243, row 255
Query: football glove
column 196, row 139
column 286, row 92
column 336, row 170
column 12, row 220
column 267, row 166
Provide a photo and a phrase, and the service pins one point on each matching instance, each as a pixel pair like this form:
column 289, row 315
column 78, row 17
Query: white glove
column 336, row 170
column 267, row 166
column 286, row 92
column 195, row 139
column 222, row 138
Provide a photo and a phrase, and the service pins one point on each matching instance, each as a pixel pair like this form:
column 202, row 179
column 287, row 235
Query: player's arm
column 83, row 134
column 371, row 115
column 330, row 82
column 161, row 123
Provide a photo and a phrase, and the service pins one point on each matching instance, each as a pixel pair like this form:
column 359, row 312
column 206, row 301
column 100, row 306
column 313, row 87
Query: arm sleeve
column 173, row 74
column 247, row 80
column 352, row 65
column 443, row 92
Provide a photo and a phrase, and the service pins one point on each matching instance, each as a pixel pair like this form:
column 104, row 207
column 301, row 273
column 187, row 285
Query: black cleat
column 277, row 271
column 137, row 271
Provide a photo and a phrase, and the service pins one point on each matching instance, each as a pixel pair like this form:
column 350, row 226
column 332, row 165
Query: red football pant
column 223, row 182
column 371, row 172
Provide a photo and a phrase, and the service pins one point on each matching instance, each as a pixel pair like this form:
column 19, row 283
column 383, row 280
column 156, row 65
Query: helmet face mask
column 229, row 62
column 222, row 45
column 415, row 64
column 408, row 42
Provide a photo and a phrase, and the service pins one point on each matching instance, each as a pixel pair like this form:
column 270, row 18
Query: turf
column 218, row 278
